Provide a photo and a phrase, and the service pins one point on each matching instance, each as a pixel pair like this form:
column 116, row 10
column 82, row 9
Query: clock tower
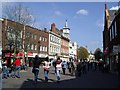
column 66, row 31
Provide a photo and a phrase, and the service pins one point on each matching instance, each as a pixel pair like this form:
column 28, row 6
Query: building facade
column 64, row 48
column 73, row 50
column 28, row 40
column 1, row 38
column 111, row 38
column 54, row 42
column 65, row 39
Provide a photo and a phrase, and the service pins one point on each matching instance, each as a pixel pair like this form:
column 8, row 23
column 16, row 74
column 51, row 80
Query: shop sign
column 116, row 49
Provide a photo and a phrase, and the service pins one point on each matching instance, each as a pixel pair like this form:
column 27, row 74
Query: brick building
column 26, row 39
column 30, row 41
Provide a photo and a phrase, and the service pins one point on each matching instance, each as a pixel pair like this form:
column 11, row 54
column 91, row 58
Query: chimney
column 53, row 28
column 61, row 30
column 45, row 29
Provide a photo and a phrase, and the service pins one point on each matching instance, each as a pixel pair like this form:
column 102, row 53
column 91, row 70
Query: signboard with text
column 116, row 49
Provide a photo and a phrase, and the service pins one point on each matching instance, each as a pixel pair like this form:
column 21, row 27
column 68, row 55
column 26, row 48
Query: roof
column 112, row 14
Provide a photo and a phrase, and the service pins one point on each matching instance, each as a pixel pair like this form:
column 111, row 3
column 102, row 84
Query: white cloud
column 114, row 8
column 58, row 13
column 82, row 11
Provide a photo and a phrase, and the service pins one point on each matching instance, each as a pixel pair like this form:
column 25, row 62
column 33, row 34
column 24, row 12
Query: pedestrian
column 64, row 66
column 71, row 67
column 12, row 70
column 54, row 65
column 5, row 70
column 17, row 64
column 58, row 68
column 0, row 74
column 95, row 65
column 46, row 66
column 84, row 67
column 118, row 68
column 79, row 68
column 35, row 70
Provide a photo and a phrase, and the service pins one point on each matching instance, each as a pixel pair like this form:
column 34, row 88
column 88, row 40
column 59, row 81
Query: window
column 45, row 39
column 32, row 46
column 54, row 49
column 115, row 28
column 28, row 46
column 40, row 48
column 21, row 34
column 50, row 48
column 35, row 36
column 40, row 38
column 32, row 35
column 35, row 47
column 59, row 41
column 112, row 32
column 43, row 48
column 53, row 38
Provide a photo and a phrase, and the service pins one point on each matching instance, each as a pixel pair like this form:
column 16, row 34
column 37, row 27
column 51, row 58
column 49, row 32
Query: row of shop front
column 27, row 58
column 112, row 57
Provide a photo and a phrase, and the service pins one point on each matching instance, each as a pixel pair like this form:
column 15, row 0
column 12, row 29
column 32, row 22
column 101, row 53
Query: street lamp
column 38, row 47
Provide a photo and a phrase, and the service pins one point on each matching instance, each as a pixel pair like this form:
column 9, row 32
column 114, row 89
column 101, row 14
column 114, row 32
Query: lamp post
column 38, row 47
column 9, row 58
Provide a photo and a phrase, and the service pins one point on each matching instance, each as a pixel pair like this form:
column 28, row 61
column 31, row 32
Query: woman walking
column 46, row 66
column 58, row 68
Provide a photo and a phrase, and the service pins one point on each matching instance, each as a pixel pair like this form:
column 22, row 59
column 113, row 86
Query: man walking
column 35, row 70
column 17, row 64
column 64, row 66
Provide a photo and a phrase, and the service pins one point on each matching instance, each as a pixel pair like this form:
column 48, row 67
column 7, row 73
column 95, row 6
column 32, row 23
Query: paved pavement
column 92, row 79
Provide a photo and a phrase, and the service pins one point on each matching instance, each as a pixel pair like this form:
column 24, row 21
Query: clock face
column 66, row 31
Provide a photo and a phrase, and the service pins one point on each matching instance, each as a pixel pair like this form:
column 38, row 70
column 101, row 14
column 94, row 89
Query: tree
column 98, row 54
column 82, row 53
column 18, row 13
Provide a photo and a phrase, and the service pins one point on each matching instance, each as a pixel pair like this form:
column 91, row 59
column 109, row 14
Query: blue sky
column 85, row 19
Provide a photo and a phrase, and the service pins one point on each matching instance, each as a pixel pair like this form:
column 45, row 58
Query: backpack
column 54, row 64
column 70, row 65
column 79, row 66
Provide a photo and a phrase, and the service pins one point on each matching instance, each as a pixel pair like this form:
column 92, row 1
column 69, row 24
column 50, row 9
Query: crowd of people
column 13, row 70
column 73, row 66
